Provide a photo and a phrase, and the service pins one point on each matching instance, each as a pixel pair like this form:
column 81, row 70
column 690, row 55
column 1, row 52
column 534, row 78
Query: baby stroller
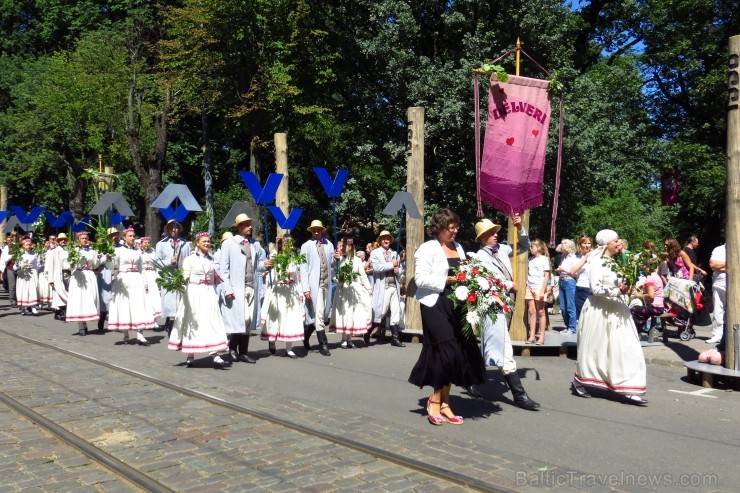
column 683, row 298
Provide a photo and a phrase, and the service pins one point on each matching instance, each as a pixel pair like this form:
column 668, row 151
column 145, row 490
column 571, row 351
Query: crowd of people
column 290, row 294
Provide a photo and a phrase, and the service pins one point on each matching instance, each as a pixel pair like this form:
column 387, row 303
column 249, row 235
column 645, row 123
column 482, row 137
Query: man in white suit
column 240, row 266
column 171, row 251
column 495, row 341
column 386, row 289
column 316, row 276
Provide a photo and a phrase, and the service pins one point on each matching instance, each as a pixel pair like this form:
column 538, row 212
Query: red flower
column 461, row 277
column 472, row 297
column 475, row 271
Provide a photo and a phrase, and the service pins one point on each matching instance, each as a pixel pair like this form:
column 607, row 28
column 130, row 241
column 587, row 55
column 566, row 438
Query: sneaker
column 714, row 340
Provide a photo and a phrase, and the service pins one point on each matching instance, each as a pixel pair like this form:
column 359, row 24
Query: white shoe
column 33, row 310
column 714, row 340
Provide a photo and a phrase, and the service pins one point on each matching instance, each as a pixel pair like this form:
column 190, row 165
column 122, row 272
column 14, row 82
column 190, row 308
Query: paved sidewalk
column 673, row 354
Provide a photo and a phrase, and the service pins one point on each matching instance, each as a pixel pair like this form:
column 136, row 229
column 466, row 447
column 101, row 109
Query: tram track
column 150, row 484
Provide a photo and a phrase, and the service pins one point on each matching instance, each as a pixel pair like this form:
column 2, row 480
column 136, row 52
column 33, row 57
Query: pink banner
column 513, row 164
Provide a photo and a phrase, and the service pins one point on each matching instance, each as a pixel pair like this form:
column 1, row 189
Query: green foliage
column 346, row 274
column 287, row 261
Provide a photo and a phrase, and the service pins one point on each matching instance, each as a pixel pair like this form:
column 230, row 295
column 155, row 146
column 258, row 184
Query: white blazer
column 431, row 271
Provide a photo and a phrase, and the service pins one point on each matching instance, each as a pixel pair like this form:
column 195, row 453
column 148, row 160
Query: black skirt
column 447, row 356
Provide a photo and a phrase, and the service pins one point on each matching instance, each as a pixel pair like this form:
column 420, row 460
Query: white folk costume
column 496, row 347
column 45, row 293
column 240, row 267
column 128, row 293
column 316, row 276
column 153, row 298
column 283, row 310
column 386, row 290
column 351, row 312
column 27, row 281
column 83, row 303
column 55, row 264
column 609, row 351
column 199, row 327
column 168, row 248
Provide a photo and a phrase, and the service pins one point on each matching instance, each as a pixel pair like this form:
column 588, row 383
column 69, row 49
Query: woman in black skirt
column 447, row 356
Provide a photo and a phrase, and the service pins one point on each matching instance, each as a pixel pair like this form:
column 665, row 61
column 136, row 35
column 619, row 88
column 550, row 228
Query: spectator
column 537, row 278
column 568, row 285
column 579, row 271
column 650, row 293
column 718, row 264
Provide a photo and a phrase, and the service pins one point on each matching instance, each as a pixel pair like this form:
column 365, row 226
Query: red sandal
column 436, row 420
column 453, row 420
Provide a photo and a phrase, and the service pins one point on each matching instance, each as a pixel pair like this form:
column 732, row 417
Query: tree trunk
column 148, row 169
column 208, row 169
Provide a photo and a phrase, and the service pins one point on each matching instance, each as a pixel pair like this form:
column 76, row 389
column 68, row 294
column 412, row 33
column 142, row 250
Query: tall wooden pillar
column 281, row 166
column 732, row 308
column 520, row 264
column 414, row 227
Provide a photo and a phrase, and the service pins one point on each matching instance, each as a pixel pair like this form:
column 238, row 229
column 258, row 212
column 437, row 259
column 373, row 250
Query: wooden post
column 732, row 307
column 3, row 207
column 281, row 166
column 414, row 227
column 520, row 263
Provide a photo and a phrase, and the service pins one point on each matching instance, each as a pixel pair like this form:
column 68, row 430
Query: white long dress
column 153, row 298
column 199, row 327
column 352, row 311
column 609, row 351
column 283, row 312
column 27, row 280
column 55, row 262
column 127, row 309
column 83, row 303
column 45, row 294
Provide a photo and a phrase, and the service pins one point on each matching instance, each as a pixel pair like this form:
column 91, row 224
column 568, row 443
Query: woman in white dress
column 609, row 351
column 351, row 313
column 27, row 279
column 199, row 327
column 148, row 261
column 283, row 311
column 83, row 303
column 128, row 292
column 45, row 294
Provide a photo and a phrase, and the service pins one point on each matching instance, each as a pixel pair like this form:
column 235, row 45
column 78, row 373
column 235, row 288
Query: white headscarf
column 606, row 236
column 603, row 237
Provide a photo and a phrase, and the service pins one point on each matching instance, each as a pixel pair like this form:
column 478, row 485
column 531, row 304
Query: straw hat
column 241, row 218
column 316, row 224
column 226, row 236
column 112, row 231
column 61, row 236
column 171, row 224
column 484, row 226
column 383, row 233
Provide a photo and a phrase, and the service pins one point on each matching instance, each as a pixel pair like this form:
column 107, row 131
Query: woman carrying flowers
column 283, row 312
column 198, row 326
column 26, row 265
column 448, row 356
column 351, row 313
column 609, row 352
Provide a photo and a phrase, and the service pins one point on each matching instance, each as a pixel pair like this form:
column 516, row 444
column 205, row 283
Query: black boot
column 243, row 348
column 168, row 324
column 395, row 339
column 323, row 343
column 101, row 322
column 366, row 336
column 307, row 331
column 521, row 399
